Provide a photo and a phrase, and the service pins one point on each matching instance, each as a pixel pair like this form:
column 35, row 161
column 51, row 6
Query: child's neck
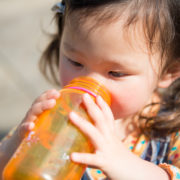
column 124, row 127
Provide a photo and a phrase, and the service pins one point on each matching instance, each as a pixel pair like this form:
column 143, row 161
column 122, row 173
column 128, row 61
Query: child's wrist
column 10, row 142
column 8, row 146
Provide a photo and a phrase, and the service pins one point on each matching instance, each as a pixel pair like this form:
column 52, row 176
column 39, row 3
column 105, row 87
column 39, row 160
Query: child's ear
column 169, row 77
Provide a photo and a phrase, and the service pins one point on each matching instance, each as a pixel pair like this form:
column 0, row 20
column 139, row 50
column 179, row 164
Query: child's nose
column 98, row 77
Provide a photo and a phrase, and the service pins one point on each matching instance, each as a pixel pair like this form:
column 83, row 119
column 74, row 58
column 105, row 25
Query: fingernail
column 99, row 98
column 73, row 115
column 52, row 102
column 31, row 125
column 57, row 94
column 75, row 156
column 87, row 96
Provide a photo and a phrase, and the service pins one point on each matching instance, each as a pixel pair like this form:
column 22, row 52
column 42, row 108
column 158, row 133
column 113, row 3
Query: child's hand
column 44, row 102
column 8, row 146
column 110, row 155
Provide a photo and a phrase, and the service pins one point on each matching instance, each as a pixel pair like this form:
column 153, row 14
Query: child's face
column 106, row 55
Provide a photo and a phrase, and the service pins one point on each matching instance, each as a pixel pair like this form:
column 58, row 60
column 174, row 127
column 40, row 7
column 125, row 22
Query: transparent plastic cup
column 44, row 152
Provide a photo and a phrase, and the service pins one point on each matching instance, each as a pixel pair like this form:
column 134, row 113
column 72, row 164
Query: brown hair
column 167, row 119
column 160, row 17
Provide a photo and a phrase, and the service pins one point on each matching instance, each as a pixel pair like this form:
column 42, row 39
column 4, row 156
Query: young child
column 132, row 47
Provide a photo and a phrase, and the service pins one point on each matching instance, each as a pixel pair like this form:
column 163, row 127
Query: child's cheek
column 125, row 106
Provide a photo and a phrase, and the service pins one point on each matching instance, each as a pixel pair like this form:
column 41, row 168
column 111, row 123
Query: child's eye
column 116, row 74
column 74, row 63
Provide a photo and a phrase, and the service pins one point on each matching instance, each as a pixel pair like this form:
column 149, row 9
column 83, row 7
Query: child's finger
column 86, row 158
column 95, row 112
column 29, row 118
column 39, row 107
column 25, row 128
column 36, row 109
column 50, row 94
column 105, row 109
column 86, row 128
column 46, row 101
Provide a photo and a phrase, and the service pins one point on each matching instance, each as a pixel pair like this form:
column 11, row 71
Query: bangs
column 155, row 20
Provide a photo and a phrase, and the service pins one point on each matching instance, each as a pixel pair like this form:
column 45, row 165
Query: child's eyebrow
column 117, row 62
column 68, row 47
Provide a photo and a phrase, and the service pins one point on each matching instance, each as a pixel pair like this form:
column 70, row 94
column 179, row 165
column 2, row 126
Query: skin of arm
column 7, row 148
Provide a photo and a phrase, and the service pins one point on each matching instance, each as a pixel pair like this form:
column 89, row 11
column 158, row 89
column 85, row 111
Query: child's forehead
column 132, row 22
column 114, row 37
column 132, row 34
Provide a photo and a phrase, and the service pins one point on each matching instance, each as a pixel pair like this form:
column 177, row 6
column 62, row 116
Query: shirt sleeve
column 172, row 167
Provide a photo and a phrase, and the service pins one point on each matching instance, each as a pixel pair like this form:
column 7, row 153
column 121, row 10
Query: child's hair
column 160, row 22
column 167, row 120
